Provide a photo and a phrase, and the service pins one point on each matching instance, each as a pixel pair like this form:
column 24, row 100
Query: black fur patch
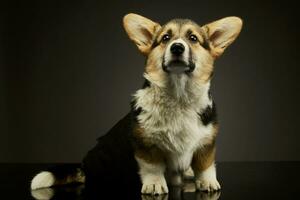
column 112, row 157
column 209, row 115
column 135, row 111
column 188, row 33
column 209, row 94
column 191, row 63
column 61, row 171
column 205, row 44
column 154, row 44
column 146, row 84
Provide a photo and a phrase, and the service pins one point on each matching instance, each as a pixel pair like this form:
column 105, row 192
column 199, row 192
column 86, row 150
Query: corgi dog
column 172, row 126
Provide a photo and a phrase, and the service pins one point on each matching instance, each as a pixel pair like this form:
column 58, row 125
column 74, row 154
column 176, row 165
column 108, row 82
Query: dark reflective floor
column 239, row 180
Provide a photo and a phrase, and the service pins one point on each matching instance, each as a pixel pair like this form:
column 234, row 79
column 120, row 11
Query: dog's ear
column 222, row 33
column 141, row 31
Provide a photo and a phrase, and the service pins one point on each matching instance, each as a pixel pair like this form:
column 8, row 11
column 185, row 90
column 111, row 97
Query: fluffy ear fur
column 141, row 31
column 222, row 33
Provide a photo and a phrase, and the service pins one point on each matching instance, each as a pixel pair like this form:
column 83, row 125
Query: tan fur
column 154, row 58
column 157, row 75
column 151, row 154
column 205, row 156
column 141, row 31
column 211, row 32
column 222, row 33
column 147, row 152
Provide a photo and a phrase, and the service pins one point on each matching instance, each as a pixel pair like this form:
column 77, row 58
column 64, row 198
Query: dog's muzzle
column 177, row 58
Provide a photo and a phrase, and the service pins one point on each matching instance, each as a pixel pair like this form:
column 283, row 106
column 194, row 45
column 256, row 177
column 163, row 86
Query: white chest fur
column 173, row 124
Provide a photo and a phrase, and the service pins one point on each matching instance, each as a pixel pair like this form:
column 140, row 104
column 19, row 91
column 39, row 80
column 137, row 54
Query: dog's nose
column 177, row 49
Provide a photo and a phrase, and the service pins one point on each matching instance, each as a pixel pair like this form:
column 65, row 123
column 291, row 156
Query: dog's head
column 181, row 46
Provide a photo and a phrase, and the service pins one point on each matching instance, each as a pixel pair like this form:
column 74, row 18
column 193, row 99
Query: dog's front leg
column 151, row 169
column 203, row 165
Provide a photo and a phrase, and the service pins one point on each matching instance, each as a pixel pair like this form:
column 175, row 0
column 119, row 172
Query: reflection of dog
column 173, row 122
column 79, row 192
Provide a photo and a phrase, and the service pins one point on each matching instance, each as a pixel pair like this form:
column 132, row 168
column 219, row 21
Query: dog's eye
column 166, row 37
column 193, row 38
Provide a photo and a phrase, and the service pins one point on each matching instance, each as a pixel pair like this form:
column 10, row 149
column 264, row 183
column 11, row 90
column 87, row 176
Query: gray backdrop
column 68, row 72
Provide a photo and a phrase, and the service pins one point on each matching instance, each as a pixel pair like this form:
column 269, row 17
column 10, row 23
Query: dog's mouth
column 178, row 66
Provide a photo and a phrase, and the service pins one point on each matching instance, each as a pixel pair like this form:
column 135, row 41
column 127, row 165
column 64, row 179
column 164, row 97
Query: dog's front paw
column 154, row 188
column 208, row 185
